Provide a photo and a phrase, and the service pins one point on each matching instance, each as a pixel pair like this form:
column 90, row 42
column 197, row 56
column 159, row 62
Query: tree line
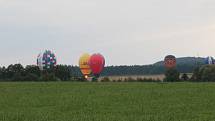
column 205, row 73
column 17, row 72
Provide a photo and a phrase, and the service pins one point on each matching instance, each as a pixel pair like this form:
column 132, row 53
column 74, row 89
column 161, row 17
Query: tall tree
column 62, row 72
column 172, row 75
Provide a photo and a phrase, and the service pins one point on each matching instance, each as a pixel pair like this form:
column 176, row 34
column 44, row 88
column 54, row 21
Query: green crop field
column 66, row 101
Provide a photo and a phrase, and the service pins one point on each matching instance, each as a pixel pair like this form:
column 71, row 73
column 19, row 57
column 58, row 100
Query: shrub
column 48, row 77
column 130, row 79
column 31, row 77
column 119, row 80
column 184, row 77
column 17, row 77
column 105, row 79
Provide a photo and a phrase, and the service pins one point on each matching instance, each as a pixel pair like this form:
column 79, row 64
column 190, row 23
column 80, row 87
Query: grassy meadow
column 67, row 101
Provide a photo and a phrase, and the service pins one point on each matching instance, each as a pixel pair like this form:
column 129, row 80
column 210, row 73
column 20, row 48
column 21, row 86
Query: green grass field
column 58, row 101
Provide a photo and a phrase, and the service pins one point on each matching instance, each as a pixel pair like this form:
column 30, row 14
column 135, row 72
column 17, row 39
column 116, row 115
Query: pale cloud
column 124, row 31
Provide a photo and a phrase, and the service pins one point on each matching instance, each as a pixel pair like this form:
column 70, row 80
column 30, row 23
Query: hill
column 184, row 65
column 185, row 61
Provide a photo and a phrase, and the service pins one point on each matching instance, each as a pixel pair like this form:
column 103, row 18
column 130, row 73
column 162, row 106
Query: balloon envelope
column 46, row 60
column 170, row 61
column 83, row 64
column 97, row 63
column 209, row 60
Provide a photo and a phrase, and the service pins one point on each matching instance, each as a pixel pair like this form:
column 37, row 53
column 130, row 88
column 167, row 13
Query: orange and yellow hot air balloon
column 84, row 66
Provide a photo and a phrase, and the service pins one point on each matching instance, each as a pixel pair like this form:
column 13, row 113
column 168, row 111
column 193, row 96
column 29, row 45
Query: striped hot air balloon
column 84, row 65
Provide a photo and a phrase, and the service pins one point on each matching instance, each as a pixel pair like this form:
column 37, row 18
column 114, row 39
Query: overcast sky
column 125, row 31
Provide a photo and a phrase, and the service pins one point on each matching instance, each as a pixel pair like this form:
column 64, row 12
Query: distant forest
column 17, row 72
column 184, row 65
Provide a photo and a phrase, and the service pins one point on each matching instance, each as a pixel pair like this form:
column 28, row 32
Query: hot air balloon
column 97, row 63
column 84, row 66
column 170, row 61
column 46, row 60
column 209, row 60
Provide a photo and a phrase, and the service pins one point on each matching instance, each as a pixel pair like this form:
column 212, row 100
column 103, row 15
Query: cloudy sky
column 124, row 31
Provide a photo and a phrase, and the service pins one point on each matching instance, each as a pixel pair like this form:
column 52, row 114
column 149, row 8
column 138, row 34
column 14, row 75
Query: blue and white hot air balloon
column 46, row 60
column 209, row 60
